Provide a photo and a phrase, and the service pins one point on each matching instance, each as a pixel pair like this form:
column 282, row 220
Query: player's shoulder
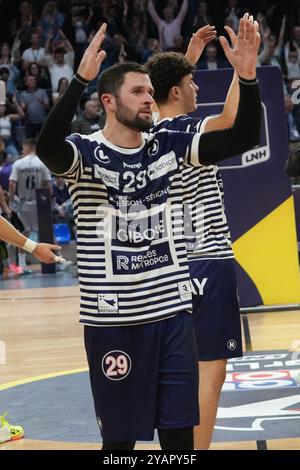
column 181, row 123
column 85, row 138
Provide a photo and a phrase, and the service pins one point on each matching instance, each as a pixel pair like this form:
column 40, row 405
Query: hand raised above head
column 243, row 56
column 93, row 56
column 198, row 42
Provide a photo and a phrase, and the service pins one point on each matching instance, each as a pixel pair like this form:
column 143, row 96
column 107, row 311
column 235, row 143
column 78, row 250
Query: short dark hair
column 30, row 142
column 112, row 78
column 167, row 69
column 60, row 50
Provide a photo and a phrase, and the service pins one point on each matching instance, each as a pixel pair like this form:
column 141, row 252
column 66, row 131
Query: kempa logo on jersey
column 138, row 262
column 231, row 344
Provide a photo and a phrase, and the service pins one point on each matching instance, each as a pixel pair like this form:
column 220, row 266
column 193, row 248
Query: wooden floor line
column 38, row 378
column 13, row 299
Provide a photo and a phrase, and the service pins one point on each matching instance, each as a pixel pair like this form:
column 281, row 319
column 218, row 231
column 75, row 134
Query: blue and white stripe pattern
column 132, row 257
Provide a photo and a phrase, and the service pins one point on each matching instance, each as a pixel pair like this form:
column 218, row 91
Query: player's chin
column 144, row 122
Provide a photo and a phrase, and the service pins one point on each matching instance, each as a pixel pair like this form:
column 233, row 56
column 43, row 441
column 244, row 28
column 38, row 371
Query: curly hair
column 167, row 69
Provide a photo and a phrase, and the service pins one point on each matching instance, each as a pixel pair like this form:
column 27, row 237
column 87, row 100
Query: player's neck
column 122, row 136
column 170, row 111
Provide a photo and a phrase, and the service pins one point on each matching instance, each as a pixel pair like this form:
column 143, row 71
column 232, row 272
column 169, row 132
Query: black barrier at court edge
column 45, row 225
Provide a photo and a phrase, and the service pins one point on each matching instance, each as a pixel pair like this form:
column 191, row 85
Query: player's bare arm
column 42, row 251
column 243, row 56
column 198, row 42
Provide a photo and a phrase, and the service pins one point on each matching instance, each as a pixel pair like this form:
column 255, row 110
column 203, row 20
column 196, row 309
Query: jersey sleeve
column 184, row 145
column 14, row 175
column 74, row 172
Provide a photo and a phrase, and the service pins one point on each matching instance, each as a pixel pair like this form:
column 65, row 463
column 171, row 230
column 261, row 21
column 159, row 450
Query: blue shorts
column 143, row 377
column 216, row 311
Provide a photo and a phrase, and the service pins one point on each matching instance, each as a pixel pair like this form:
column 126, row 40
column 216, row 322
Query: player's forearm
column 242, row 136
column 232, row 101
column 9, row 234
column 52, row 148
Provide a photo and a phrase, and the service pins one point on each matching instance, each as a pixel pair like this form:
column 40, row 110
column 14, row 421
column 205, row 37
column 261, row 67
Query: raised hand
column 93, row 56
column 198, row 42
column 243, row 56
column 232, row 35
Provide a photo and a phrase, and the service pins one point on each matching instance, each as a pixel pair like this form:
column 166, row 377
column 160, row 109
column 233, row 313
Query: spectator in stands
column 81, row 30
column 95, row 98
column 233, row 12
column 7, row 268
column 118, row 50
column 170, row 27
column 292, row 60
column 271, row 53
column 51, row 21
column 5, row 166
column 35, row 104
column 62, row 86
column 151, row 48
column 296, row 35
column 35, row 53
column 211, row 60
column 293, row 134
column 24, row 24
column 62, row 204
column 7, row 63
column 90, row 121
column 6, row 121
column 41, row 75
column 293, row 163
column 28, row 174
column 201, row 19
column 61, row 62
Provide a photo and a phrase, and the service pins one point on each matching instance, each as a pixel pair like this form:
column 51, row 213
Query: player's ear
column 174, row 93
column 108, row 101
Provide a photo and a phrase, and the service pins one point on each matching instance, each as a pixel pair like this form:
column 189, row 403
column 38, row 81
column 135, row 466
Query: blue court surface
column 260, row 401
column 260, row 398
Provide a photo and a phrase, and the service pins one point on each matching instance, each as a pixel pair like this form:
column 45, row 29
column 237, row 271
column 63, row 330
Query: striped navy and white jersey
column 207, row 231
column 132, row 259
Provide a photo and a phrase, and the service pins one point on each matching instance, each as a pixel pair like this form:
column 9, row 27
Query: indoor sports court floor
column 44, row 382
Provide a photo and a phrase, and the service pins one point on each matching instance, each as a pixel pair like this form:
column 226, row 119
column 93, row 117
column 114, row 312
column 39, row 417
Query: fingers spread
column 224, row 43
column 242, row 29
column 232, row 35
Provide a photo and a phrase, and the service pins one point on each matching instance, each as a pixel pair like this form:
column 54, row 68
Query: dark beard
column 136, row 123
